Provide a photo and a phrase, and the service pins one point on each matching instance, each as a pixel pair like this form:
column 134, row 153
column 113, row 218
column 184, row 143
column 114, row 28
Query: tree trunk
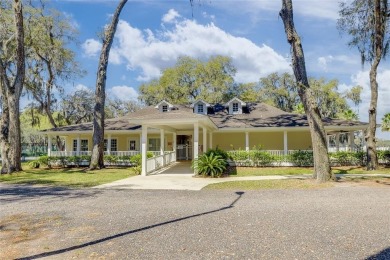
column 372, row 158
column 4, row 144
column 10, row 136
column 322, row 171
column 100, row 93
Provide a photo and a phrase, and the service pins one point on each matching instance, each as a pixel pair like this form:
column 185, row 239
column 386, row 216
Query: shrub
column 302, row 158
column 212, row 165
column 384, row 157
column 74, row 160
column 239, row 155
column 218, row 151
column 343, row 158
column 261, row 158
column 111, row 159
column 44, row 160
column 34, row 164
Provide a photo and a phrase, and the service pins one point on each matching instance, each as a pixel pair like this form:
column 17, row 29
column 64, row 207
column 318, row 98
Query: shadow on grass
column 382, row 255
column 384, row 180
column 15, row 192
column 129, row 232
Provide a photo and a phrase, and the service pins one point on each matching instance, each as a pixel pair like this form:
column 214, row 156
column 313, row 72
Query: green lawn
column 70, row 177
column 267, row 184
column 265, row 171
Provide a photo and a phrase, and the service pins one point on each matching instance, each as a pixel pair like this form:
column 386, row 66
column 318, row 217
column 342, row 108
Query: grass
column 266, row 171
column 268, row 184
column 298, row 183
column 68, row 177
column 359, row 170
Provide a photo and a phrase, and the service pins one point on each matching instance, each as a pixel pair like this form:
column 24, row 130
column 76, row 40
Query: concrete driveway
column 330, row 223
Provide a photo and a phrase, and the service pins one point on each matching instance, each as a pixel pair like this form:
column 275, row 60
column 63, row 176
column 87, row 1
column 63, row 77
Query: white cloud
column 124, row 92
column 362, row 78
column 324, row 9
column 81, row 87
column 336, row 62
column 91, row 47
column 150, row 52
column 171, row 16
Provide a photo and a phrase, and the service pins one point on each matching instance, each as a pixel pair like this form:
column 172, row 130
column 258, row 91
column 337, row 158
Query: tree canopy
column 191, row 79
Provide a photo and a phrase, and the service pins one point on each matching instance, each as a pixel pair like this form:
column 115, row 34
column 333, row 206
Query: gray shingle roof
column 255, row 115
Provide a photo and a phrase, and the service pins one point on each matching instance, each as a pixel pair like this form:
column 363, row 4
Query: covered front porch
column 161, row 145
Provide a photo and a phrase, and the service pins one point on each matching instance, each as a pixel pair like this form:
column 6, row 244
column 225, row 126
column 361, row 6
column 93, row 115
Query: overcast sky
column 152, row 34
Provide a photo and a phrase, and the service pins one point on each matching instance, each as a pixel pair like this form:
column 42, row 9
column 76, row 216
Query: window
column 84, row 145
column 235, row 107
column 114, row 145
column 75, row 145
column 154, row 144
column 165, row 108
column 200, row 109
column 132, row 145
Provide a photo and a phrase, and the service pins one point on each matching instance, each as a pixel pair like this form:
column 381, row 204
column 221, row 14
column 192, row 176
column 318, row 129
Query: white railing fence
column 160, row 161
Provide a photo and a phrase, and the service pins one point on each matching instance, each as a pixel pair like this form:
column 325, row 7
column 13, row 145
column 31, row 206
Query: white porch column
column 109, row 144
column 66, row 144
column 78, row 145
column 337, row 142
column 328, row 141
column 140, row 142
column 162, row 141
column 246, row 141
column 351, row 141
column 144, row 138
column 211, row 141
column 204, row 139
column 174, row 142
column 49, row 145
column 196, row 140
column 285, row 143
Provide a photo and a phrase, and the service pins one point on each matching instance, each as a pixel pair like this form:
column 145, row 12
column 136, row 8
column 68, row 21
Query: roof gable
column 200, row 101
column 162, row 103
column 235, row 99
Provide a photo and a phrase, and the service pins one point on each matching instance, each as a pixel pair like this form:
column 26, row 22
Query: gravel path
column 332, row 223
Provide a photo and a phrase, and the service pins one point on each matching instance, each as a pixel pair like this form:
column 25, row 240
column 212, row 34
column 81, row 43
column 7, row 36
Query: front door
column 184, row 147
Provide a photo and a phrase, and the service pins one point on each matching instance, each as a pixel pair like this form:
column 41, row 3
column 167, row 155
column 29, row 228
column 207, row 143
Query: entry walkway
column 178, row 176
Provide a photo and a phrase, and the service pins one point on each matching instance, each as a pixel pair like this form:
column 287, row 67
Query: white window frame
column 200, row 108
column 157, row 144
column 235, row 107
column 114, row 143
column 164, row 108
column 74, row 148
column 83, row 147
column 130, row 146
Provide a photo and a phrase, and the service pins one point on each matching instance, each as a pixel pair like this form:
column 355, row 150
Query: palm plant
column 386, row 122
column 349, row 115
column 209, row 165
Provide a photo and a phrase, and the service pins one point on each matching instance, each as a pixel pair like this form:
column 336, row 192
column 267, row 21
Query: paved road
column 332, row 223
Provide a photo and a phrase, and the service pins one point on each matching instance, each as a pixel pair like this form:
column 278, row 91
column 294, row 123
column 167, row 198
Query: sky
column 152, row 34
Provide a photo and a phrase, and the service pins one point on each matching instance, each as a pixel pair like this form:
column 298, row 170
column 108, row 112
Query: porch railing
column 160, row 161
column 70, row 153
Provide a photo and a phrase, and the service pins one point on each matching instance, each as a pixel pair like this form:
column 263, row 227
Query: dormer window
column 164, row 106
column 200, row 109
column 235, row 107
